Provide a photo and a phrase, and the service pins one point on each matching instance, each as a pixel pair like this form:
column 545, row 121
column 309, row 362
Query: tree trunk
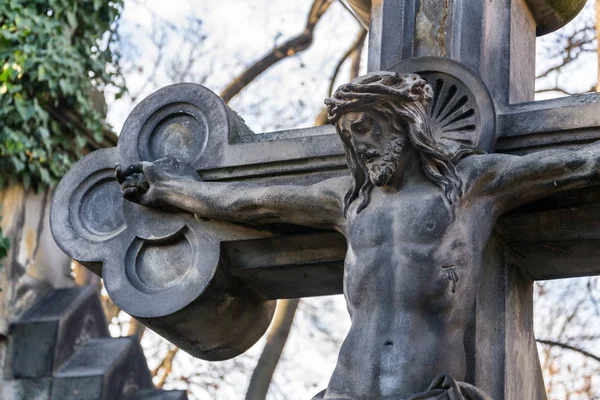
column 276, row 338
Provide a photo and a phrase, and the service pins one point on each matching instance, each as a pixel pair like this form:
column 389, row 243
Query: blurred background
column 73, row 70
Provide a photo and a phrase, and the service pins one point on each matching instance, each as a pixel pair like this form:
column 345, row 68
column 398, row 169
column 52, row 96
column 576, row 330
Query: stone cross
column 208, row 286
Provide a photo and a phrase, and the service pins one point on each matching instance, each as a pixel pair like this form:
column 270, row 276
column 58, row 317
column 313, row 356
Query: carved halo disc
column 462, row 110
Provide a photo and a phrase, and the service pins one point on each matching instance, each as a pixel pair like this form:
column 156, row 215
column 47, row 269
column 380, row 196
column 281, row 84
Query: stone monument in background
column 421, row 214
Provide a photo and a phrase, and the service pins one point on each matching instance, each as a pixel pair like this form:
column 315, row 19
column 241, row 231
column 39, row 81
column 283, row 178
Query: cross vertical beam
column 495, row 39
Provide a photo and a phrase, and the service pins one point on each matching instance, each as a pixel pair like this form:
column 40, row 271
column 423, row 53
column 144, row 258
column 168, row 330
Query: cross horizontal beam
column 555, row 123
column 523, row 128
column 558, row 237
column 543, row 235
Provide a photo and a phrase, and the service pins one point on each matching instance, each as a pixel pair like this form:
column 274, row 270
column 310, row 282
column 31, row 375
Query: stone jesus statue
column 416, row 216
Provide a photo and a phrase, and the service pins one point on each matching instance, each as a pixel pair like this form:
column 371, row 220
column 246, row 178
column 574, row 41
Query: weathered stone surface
column 150, row 253
column 49, row 333
column 103, row 369
column 162, row 267
column 549, row 15
column 417, row 213
column 60, row 349
column 30, row 389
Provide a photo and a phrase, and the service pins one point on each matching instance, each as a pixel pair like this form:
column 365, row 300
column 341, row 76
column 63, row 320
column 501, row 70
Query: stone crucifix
column 209, row 231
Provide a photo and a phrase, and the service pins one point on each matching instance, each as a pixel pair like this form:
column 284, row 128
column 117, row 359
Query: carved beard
column 383, row 168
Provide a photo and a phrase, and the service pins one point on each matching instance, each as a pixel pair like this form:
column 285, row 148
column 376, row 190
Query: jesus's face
column 379, row 146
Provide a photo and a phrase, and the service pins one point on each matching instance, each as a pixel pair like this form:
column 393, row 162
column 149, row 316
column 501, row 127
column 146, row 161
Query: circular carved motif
column 453, row 110
column 178, row 130
column 462, row 110
column 156, row 263
column 166, row 264
column 160, row 265
column 184, row 121
column 98, row 213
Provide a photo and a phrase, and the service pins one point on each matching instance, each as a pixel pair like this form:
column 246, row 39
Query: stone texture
column 549, row 15
column 103, row 369
column 60, row 349
column 48, row 333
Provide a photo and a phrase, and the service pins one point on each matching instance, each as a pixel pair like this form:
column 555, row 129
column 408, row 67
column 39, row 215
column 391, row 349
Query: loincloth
column 443, row 387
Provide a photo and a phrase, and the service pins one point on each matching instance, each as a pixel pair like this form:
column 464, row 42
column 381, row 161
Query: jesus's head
column 378, row 116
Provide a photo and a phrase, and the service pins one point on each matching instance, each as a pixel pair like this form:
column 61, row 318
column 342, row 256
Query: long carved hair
column 403, row 99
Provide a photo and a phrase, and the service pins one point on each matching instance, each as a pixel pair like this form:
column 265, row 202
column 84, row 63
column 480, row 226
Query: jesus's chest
column 420, row 217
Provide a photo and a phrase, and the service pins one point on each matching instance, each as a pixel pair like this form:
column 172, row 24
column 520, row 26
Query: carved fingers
column 146, row 182
column 134, row 180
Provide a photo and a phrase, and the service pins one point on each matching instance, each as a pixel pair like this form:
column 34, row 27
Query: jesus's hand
column 150, row 183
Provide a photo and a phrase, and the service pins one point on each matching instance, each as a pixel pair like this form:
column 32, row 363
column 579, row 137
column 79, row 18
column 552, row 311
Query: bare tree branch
column 159, row 40
column 555, row 89
column 574, row 47
column 357, row 55
column 278, row 334
column 354, row 51
column 136, row 328
column 166, row 365
column 181, row 68
column 356, row 45
column 289, row 48
column 72, row 121
column 568, row 347
column 343, row 3
column 111, row 310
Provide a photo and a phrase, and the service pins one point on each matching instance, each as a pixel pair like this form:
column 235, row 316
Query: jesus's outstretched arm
column 166, row 183
column 510, row 181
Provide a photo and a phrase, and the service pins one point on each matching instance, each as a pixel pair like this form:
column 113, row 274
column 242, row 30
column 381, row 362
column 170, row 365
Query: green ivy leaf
column 72, row 18
column 4, row 244
column 41, row 73
column 25, row 108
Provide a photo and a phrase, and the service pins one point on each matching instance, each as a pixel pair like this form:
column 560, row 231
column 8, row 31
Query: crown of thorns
column 377, row 87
